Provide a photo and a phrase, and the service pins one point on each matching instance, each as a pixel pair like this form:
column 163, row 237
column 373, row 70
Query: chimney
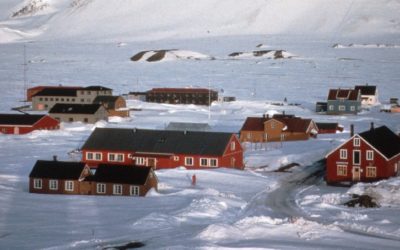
column 351, row 130
column 283, row 112
column 54, row 157
column 134, row 130
column 263, row 115
column 184, row 132
column 267, row 116
column 372, row 126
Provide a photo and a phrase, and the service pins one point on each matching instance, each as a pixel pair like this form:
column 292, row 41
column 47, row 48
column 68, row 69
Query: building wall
column 61, row 187
column 46, row 123
column 333, row 107
column 369, row 99
column 101, row 114
column 183, row 98
column 384, row 169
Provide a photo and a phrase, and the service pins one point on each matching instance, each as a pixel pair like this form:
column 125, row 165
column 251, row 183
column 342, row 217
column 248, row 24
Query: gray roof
column 67, row 108
column 188, row 126
column 384, row 140
column 61, row 170
column 158, row 141
column 106, row 99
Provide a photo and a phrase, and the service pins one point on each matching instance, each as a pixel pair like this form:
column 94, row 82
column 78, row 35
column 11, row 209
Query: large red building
column 369, row 156
column 24, row 123
column 162, row 148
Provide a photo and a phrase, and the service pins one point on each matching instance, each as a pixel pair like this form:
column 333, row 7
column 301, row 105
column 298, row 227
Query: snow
column 83, row 43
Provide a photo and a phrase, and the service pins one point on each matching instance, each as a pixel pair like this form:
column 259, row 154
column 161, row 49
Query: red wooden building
column 34, row 90
column 369, row 156
column 329, row 127
column 163, row 148
column 24, row 123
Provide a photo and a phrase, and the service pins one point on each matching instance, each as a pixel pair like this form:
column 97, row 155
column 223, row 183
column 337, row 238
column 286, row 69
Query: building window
column 69, row 186
column 116, row 157
column 248, row 135
column 82, row 100
column 176, row 158
column 120, row 157
column 233, row 146
column 203, row 162
column 341, row 170
column 342, row 108
column 46, row 99
column 51, row 99
column 117, row 189
column 343, row 154
column 370, row 155
column 37, row 183
column 272, row 124
column 352, row 108
column 40, row 99
column 282, row 137
column 56, row 99
column 356, row 142
column 331, row 107
column 98, row 156
column 189, row 161
column 53, row 184
column 213, row 162
column 356, row 157
column 70, row 119
column 93, row 156
column 140, row 161
column 62, row 99
column 101, row 188
column 134, row 191
column 73, row 99
column 111, row 157
column 371, row 172
column 89, row 156
column 86, row 120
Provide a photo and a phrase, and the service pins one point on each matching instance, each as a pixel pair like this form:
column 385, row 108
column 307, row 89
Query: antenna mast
column 25, row 70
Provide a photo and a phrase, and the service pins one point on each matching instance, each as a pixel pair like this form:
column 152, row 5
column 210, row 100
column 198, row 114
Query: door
column 16, row 130
column 356, row 173
column 152, row 162
column 233, row 161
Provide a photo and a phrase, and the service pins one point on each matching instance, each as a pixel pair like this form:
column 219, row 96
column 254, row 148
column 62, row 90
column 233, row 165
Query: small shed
column 26, row 123
column 328, row 127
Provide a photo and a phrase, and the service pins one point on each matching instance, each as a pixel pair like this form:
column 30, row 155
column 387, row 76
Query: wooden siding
column 46, row 123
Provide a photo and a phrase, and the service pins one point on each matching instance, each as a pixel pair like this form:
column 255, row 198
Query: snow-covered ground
column 252, row 209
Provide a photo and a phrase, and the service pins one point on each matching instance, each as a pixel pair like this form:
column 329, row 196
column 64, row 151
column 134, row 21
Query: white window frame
column 331, row 107
column 101, row 188
column 53, row 184
column 89, row 156
column 69, row 186
column 210, row 162
column 356, row 142
column 189, row 161
column 343, row 154
column 175, row 158
column 140, row 161
column 117, row 189
column 368, row 172
column 352, row 108
column 370, row 155
column 134, row 190
column 233, row 146
column 342, row 108
column 206, row 162
column 341, row 170
column 283, row 137
column 111, row 155
column 248, row 135
column 116, row 157
column 120, row 157
column 354, row 152
column 37, row 183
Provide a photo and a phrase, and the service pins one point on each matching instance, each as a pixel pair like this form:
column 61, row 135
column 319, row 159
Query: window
column 73, row 99
column 331, row 107
column 134, row 191
column 70, row 119
column 40, row 99
column 53, row 184
column 69, row 186
column 176, row 158
column 62, row 99
column 82, row 100
column 189, row 161
column 101, row 188
column 272, row 124
column 282, row 137
column 371, row 172
column 98, row 156
column 120, row 157
column 203, row 162
column 86, row 120
column 352, row 108
column 56, row 99
column 370, row 155
column 51, row 99
column 37, row 183
column 233, row 146
column 116, row 157
column 356, row 142
column 111, row 157
column 266, row 137
column 213, row 162
column 117, row 189
column 140, row 161
column 248, row 135
column 89, row 156
column 343, row 154
column 342, row 108
column 46, row 99
column 342, row 170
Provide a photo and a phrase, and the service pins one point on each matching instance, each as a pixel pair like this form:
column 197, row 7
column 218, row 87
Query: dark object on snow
column 362, row 201
column 130, row 245
column 287, row 167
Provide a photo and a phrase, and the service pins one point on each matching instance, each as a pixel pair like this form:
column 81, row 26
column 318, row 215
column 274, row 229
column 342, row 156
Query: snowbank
column 168, row 55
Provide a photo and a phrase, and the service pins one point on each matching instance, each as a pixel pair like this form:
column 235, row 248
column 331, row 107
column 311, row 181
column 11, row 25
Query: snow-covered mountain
column 156, row 19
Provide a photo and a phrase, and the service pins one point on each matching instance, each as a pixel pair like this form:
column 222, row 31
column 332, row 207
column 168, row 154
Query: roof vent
column 372, row 126
column 185, row 132
column 54, row 157
column 134, row 130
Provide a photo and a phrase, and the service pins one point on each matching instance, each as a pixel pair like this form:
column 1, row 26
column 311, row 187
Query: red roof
column 180, row 90
column 346, row 94
column 293, row 124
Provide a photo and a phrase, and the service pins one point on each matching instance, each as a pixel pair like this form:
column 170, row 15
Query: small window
column 371, row 172
column 53, row 184
column 213, row 162
column 283, row 137
column 233, row 146
column 331, row 107
column 56, row 99
column 111, row 157
column 69, row 186
column 341, row 170
column 89, row 156
column 343, row 154
column 272, row 124
column 46, row 99
column 370, row 155
column 140, row 161
column 356, row 142
column 98, row 157
column 86, row 120
column 342, row 108
column 40, row 99
column 117, row 189
column 189, row 161
column 37, row 183
column 101, row 188
column 134, row 191
column 120, row 157
column 176, row 158
column 62, row 99
column 352, row 108
column 70, row 119
column 82, row 100
column 203, row 162
column 67, row 99
column 51, row 99
column 248, row 135
column 73, row 99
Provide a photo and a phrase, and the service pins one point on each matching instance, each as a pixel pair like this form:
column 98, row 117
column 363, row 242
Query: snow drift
column 168, row 55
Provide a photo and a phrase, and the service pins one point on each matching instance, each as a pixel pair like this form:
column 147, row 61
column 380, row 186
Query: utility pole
column 25, row 70
column 209, row 101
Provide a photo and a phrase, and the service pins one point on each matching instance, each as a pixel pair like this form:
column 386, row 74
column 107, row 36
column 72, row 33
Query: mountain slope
column 156, row 19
